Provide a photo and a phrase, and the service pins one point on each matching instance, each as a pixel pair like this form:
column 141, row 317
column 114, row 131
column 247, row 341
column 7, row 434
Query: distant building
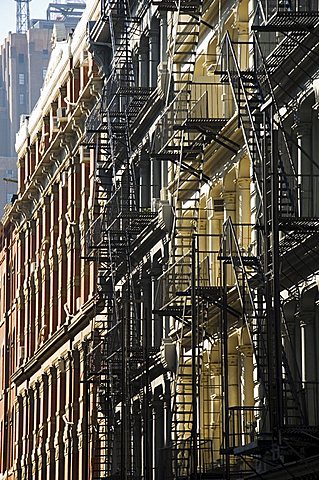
column 24, row 59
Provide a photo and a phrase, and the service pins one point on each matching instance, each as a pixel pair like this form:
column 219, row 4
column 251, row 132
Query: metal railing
column 270, row 7
column 243, row 424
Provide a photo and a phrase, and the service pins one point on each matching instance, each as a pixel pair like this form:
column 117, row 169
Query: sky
column 8, row 14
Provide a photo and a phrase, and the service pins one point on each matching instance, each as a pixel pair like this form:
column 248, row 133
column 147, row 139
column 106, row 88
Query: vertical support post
column 195, row 387
column 124, row 413
column 224, row 355
column 147, row 332
column 275, row 332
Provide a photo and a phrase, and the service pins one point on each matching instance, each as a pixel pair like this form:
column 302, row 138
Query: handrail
column 230, row 227
column 245, row 280
column 227, row 41
column 272, row 93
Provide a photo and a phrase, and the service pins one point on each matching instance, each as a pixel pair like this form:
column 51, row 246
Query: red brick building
column 46, row 299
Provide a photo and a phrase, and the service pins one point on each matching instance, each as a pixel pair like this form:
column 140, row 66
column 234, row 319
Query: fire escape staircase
column 251, row 286
column 192, row 455
column 115, row 350
column 249, row 97
column 276, row 179
column 183, row 138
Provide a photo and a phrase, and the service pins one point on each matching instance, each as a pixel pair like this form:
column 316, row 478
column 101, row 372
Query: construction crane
column 23, row 15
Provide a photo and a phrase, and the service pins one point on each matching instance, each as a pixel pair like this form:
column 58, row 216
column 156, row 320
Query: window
column 45, row 51
column 21, row 78
column 9, row 173
column 21, row 57
column 21, row 98
column 44, row 72
column 9, row 197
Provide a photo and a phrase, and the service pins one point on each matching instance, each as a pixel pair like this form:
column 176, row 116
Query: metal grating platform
column 301, row 225
column 202, row 124
column 289, row 22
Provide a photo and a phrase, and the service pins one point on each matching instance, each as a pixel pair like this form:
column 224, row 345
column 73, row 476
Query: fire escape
column 118, row 352
column 184, row 132
column 284, row 235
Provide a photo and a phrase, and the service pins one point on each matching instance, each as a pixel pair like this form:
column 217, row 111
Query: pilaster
column 51, row 422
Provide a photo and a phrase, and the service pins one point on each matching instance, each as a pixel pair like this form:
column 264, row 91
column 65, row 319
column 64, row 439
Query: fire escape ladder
column 251, row 286
column 191, row 455
column 182, row 51
column 115, row 347
column 185, row 144
column 102, row 415
column 181, row 406
column 181, row 142
column 256, row 126
column 287, row 174
column 247, row 98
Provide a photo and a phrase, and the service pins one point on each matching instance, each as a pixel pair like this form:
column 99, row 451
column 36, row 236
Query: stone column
column 76, row 252
column 42, row 429
column 163, row 36
column 82, row 424
column 45, row 271
column 21, row 343
column 226, row 97
column 18, row 442
column 217, row 412
column 244, row 211
column 304, row 168
column 155, row 186
column 70, row 270
column 206, row 431
column 62, row 251
column 243, row 46
column 143, row 63
column 158, row 434
column 84, row 221
column 162, row 79
column 25, row 435
column 154, row 54
column 230, row 211
column 51, row 422
column 34, row 454
column 145, row 181
column 38, row 280
column 69, row 240
column 58, row 438
column 247, row 386
column 53, row 260
column 248, row 420
column 68, row 424
column 74, row 413
column 215, row 218
column 32, row 316
column 229, row 205
column 30, row 433
column 233, row 397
